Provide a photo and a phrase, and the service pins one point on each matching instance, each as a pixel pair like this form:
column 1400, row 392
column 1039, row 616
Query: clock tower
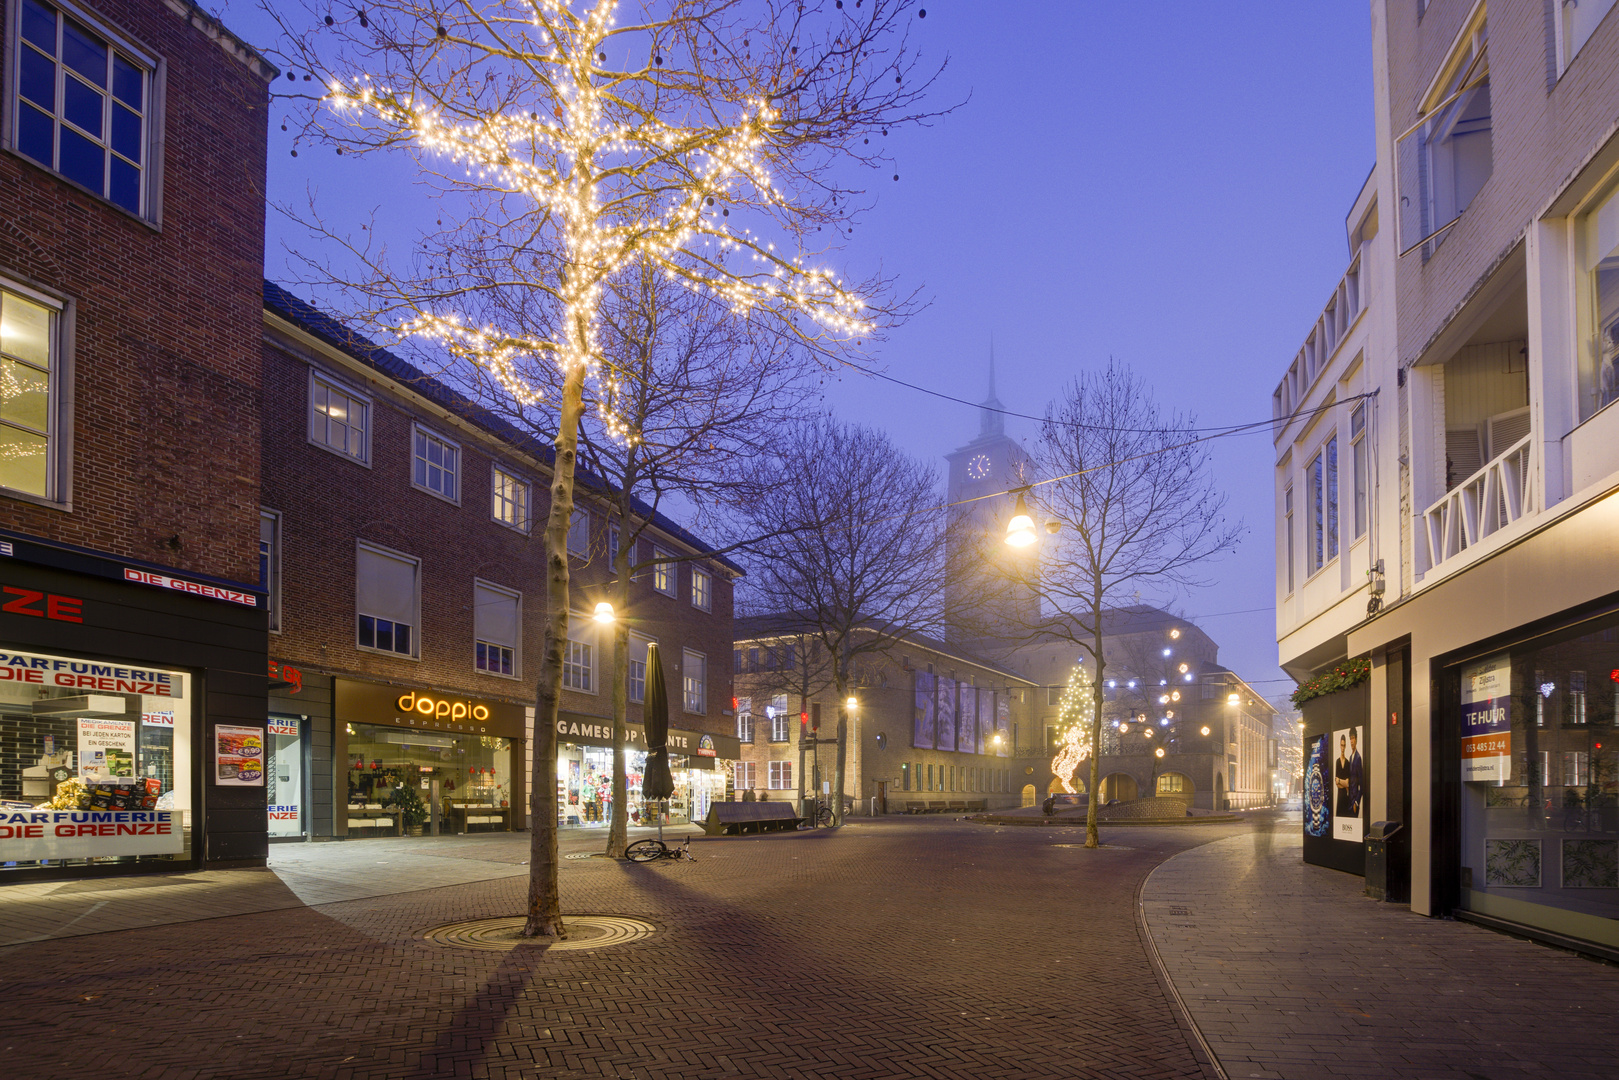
column 980, row 598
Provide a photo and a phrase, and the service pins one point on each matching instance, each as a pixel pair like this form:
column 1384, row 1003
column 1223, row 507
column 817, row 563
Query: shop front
column 424, row 762
column 112, row 760
column 699, row 762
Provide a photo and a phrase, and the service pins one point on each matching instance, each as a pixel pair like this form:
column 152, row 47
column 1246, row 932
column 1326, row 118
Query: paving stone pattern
column 1290, row 971
column 906, row 948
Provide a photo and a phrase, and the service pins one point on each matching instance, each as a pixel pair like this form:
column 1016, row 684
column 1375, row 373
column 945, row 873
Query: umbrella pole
column 662, row 813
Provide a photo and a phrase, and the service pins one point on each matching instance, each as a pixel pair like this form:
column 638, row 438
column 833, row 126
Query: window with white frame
column 435, row 464
column 694, row 681
column 270, row 564
column 1323, row 475
column 781, row 775
column 744, row 719
column 339, row 419
column 1358, row 451
column 636, row 676
column 83, row 105
column 1598, row 300
column 1053, row 696
column 1576, row 768
column 579, row 533
column 1576, row 697
column 1443, row 160
column 509, row 499
column 744, row 775
column 702, row 588
column 387, row 597
column 497, row 621
column 1577, row 21
column 30, row 394
column 664, row 573
column 1287, row 524
column 612, row 544
column 781, row 725
column 578, row 658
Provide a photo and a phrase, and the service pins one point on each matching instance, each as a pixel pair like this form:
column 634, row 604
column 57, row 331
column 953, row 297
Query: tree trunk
column 618, row 819
column 843, row 757
column 544, row 899
column 1093, row 836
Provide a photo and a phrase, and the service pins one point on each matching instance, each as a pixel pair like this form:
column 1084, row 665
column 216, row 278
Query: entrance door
column 284, row 775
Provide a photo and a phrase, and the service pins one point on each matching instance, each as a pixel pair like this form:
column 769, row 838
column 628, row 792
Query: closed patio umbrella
column 656, row 782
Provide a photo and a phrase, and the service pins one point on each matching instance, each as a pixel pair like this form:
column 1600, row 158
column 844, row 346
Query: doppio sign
column 441, row 708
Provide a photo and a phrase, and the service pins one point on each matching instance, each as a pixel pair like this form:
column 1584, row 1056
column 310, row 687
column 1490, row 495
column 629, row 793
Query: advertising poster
column 967, row 726
column 922, row 719
column 945, row 713
column 1348, row 784
column 106, row 750
column 238, row 756
column 1487, row 720
column 1317, row 785
column 1003, row 722
column 986, row 722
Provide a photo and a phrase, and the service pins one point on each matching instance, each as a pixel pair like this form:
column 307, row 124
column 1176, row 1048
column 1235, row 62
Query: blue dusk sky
column 1161, row 183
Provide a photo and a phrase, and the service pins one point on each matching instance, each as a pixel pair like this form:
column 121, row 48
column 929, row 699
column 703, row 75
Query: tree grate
column 505, row 932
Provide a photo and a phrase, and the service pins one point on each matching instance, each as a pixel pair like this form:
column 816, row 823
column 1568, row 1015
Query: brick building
column 132, row 159
column 1447, row 455
column 932, row 723
column 402, row 530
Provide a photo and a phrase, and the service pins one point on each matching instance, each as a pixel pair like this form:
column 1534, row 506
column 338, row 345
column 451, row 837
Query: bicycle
column 650, row 850
column 821, row 816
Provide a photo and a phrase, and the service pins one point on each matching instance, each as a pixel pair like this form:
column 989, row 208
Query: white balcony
column 1496, row 496
column 1329, row 333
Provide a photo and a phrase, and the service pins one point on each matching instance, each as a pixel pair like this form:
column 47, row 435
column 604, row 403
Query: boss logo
column 440, row 709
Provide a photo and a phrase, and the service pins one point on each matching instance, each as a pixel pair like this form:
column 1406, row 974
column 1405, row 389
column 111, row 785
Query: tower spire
column 990, row 421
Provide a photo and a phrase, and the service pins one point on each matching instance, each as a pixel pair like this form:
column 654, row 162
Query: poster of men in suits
column 1348, row 784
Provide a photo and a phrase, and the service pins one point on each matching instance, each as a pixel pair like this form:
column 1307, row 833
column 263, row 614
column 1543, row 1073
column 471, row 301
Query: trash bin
column 1383, row 865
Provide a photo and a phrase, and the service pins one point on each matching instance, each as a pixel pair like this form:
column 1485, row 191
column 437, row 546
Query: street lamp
column 852, row 704
column 604, row 613
column 1020, row 530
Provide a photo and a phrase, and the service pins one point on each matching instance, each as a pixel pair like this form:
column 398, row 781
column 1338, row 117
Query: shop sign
column 79, row 675
column 284, row 813
column 1487, row 720
column 157, row 719
column 238, row 756
column 372, row 703
column 705, row 747
column 42, row 605
column 286, row 673
column 195, row 588
column 26, row 835
column 282, row 727
column 442, row 708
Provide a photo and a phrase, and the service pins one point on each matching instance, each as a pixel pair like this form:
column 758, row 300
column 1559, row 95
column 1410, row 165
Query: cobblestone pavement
column 1289, row 972
column 902, row 948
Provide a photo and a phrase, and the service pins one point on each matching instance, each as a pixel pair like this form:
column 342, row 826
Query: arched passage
column 1174, row 783
column 1120, row 786
column 1028, row 794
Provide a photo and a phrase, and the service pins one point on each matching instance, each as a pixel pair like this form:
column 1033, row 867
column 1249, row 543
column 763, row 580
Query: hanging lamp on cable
column 1020, row 530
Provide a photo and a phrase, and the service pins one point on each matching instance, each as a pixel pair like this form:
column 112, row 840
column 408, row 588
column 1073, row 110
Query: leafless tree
column 858, row 563
column 1129, row 489
column 710, row 140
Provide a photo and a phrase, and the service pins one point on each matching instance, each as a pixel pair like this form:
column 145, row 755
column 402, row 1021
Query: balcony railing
column 1491, row 499
column 1340, row 313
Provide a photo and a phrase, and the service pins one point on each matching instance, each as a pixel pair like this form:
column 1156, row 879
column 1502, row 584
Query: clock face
column 978, row 467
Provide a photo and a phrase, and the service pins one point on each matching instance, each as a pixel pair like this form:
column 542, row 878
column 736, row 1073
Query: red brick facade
column 163, row 315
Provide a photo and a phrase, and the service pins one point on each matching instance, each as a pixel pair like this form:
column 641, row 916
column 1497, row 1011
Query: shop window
column 694, row 681
column 83, row 106
column 270, row 565
column 339, row 419
column 1174, row 784
column 435, row 464
column 395, row 774
column 578, row 665
column 744, row 775
column 497, row 617
column 663, row 572
column 387, row 594
column 702, row 589
column 579, row 534
column 85, row 734
column 781, row 775
column 30, row 395
column 509, row 499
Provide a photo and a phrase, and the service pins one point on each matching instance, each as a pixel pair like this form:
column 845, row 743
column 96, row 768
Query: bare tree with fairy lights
column 715, row 142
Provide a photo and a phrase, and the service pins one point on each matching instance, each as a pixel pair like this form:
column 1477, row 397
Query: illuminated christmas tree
column 1073, row 728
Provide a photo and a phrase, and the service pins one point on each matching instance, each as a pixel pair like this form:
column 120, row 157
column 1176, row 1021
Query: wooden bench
column 978, row 805
column 736, row 819
column 936, row 806
column 915, row 808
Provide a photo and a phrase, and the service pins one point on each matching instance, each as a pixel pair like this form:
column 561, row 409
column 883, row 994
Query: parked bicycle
column 650, row 850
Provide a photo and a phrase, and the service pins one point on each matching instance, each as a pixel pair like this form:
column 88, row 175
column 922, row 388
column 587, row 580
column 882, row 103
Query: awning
column 700, row 748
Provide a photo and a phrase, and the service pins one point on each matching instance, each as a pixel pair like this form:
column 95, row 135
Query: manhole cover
column 584, row 932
